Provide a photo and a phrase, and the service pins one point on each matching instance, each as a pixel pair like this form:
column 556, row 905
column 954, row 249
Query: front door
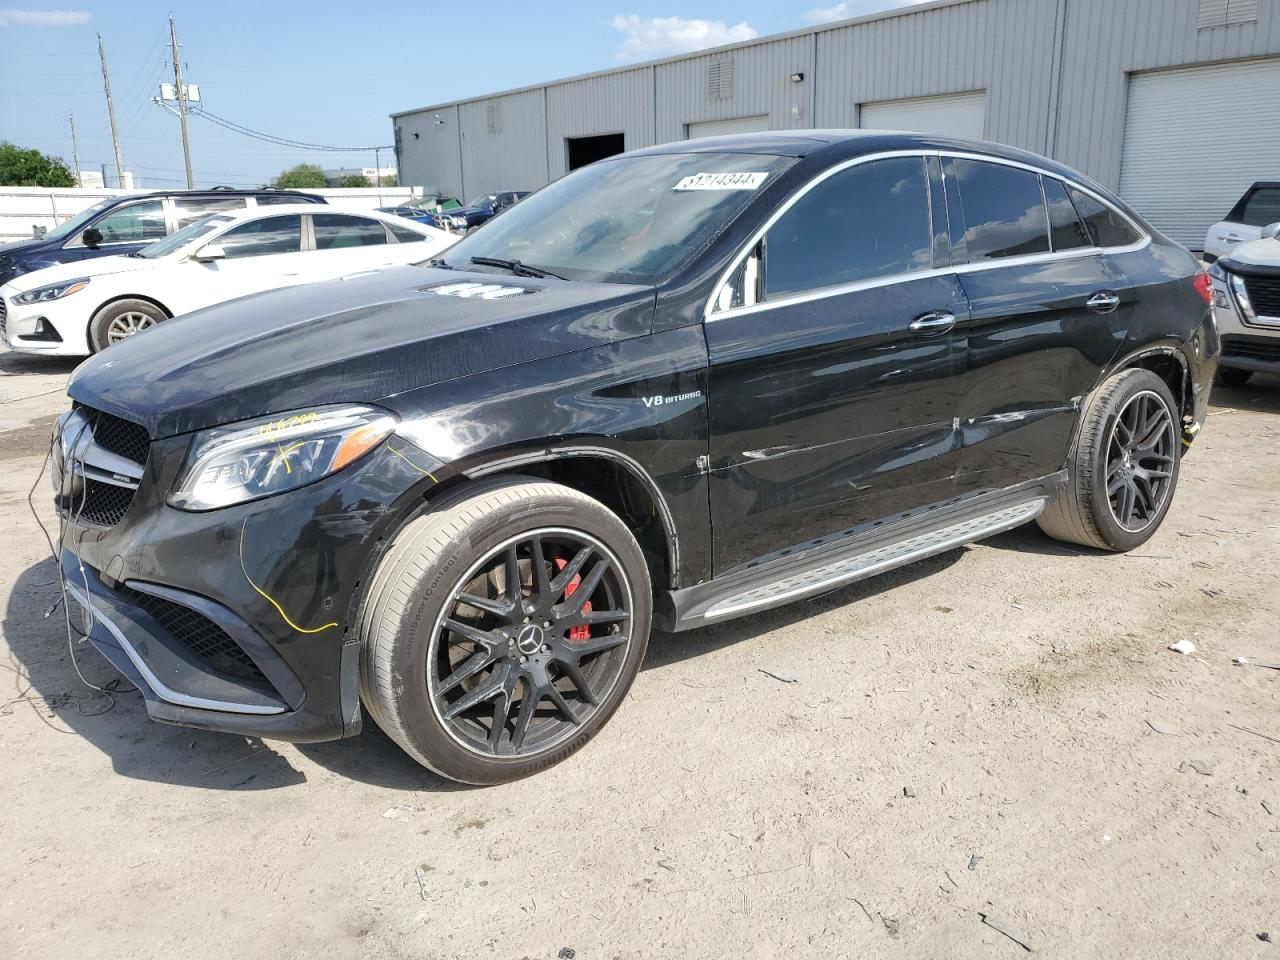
column 834, row 375
column 259, row 255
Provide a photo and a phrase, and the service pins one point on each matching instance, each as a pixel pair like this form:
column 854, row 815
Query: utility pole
column 75, row 150
column 111, row 113
column 182, row 100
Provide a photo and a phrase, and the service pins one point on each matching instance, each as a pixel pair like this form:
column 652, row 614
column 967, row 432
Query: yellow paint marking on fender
column 411, row 463
column 270, row 599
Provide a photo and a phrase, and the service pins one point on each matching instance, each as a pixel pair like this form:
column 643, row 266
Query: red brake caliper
column 582, row 631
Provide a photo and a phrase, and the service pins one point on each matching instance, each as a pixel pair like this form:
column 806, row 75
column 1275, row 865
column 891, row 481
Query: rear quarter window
column 1107, row 227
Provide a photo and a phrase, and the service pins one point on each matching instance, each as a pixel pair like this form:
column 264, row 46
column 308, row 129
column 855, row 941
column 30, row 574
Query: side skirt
column 855, row 555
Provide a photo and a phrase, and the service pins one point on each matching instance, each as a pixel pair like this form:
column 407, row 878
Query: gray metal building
column 1174, row 103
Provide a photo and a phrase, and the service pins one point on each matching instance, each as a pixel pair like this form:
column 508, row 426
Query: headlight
column 1216, row 271
column 259, row 458
column 54, row 291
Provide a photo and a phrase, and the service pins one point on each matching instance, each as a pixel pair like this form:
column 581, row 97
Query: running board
column 711, row 602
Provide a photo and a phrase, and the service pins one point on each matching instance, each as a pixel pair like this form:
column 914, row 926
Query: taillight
column 1203, row 286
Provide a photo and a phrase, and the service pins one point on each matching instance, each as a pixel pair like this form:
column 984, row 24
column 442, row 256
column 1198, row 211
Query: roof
column 647, row 64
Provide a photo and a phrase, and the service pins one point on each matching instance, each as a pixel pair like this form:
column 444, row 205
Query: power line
column 280, row 141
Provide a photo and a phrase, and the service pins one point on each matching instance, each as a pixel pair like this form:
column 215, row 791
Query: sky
column 322, row 72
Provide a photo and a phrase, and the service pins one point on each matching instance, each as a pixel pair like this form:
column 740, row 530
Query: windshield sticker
column 721, row 181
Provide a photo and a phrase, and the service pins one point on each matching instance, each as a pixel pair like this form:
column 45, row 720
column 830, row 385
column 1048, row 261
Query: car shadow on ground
column 40, row 677
column 19, row 364
column 44, row 680
column 1260, row 395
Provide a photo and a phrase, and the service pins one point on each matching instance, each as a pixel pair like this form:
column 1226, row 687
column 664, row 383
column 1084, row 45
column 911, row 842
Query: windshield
column 77, row 223
column 627, row 220
column 179, row 239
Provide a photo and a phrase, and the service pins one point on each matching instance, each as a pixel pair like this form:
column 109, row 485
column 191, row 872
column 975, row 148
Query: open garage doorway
column 584, row 150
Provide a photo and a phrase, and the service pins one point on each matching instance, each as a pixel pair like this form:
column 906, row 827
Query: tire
column 415, row 629
column 1231, row 377
column 1086, row 512
column 109, row 324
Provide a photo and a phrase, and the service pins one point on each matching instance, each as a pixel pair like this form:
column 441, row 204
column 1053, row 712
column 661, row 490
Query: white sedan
column 74, row 309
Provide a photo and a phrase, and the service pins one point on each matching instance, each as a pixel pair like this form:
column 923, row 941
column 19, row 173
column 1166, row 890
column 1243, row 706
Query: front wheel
column 1123, row 468
column 122, row 319
column 503, row 629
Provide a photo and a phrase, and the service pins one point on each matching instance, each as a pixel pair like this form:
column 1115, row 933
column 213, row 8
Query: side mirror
column 92, row 236
column 1271, row 231
column 210, row 251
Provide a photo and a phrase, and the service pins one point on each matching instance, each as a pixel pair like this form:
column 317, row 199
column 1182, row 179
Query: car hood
column 17, row 246
column 95, row 267
column 360, row 339
column 1255, row 253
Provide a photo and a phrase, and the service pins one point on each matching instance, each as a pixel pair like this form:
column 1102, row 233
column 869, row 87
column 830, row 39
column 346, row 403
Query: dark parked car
column 126, row 224
column 680, row 385
column 480, row 210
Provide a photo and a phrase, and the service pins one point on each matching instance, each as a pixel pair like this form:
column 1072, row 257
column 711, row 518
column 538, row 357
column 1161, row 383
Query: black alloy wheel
column 530, row 643
column 1140, row 455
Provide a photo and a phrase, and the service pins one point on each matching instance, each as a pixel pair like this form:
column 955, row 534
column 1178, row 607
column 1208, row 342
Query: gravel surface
column 988, row 749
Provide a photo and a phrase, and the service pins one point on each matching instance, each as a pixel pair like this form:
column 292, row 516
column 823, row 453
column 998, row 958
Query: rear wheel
column 1124, row 467
column 1231, row 377
column 122, row 319
column 503, row 629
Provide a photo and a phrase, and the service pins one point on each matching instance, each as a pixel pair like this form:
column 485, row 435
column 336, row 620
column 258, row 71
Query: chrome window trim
column 709, row 313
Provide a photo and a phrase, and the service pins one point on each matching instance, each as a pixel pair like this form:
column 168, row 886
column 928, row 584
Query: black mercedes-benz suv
column 680, row 385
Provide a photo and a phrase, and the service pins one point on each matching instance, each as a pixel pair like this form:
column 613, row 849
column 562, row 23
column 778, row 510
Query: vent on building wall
column 1221, row 13
column 494, row 110
column 720, row 79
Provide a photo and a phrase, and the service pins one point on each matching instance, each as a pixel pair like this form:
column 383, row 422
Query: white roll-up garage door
column 718, row 128
column 953, row 115
column 1195, row 139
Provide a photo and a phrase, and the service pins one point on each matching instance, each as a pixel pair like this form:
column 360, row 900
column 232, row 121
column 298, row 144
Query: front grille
column 4, row 317
column 1251, row 348
column 1264, row 294
column 101, row 503
column 203, row 638
column 124, row 437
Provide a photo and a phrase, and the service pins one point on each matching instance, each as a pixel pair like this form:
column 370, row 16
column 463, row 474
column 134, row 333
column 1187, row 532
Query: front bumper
column 242, row 619
column 45, row 328
column 1246, row 344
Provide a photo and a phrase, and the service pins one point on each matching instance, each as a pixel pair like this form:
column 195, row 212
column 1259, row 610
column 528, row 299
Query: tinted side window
column 188, row 209
column 871, row 220
column 1065, row 229
column 335, row 231
column 133, row 223
column 1262, row 207
column 405, row 235
column 269, row 198
column 1003, row 211
column 1106, row 227
column 261, row 237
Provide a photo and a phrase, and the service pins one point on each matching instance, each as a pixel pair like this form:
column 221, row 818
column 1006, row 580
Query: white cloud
column 828, row 14
column 647, row 37
column 858, row 8
column 43, row 18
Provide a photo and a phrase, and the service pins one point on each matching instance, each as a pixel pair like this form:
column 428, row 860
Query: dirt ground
column 998, row 731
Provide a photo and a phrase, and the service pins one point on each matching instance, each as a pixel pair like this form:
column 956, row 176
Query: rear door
column 345, row 243
column 833, row 372
column 1047, row 310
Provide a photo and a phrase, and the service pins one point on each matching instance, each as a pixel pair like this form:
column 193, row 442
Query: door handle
column 932, row 324
column 1104, row 301
column 1232, row 238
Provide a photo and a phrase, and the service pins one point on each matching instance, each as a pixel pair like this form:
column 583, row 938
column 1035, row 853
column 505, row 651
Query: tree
column 355, row 180
column 31, row 168
column 391, row 180
column 304, row 175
